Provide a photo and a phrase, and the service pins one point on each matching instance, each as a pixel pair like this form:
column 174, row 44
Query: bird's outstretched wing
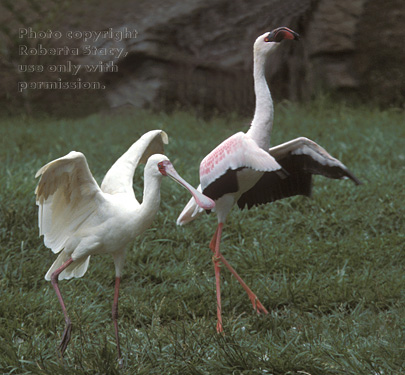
column 218, row 169
column 119, row 179
column 301, row 158
column 67, row 194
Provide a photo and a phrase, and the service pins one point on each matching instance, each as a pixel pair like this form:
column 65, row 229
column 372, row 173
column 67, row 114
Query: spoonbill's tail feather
column 76, row 269
column 191, row 211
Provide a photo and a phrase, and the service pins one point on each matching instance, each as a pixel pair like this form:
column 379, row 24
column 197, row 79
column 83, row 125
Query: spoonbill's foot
column 65, row 337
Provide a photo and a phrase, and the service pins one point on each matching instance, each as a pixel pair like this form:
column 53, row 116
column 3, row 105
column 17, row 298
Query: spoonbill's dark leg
column 68, row 327
column 115, row 316
column 257, row 305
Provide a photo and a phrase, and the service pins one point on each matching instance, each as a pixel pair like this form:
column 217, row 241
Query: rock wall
column 380, row 52
column 202, row 56
column 199, row 53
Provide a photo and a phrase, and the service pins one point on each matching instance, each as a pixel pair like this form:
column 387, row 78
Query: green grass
column 330, row 268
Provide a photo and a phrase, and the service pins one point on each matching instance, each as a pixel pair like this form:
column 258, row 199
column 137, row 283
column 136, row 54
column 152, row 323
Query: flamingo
column 78, row 218
column 243, row 170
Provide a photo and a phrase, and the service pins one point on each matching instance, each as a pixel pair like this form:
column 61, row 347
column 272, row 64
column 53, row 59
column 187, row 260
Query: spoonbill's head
column 270, row 40
column 161, row 165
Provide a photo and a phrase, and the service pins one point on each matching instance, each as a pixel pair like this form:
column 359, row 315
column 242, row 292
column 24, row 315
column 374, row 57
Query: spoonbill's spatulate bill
column 78, row 218
column 243, row 170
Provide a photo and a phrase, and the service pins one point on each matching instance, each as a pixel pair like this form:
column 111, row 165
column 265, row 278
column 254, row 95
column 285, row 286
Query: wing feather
column 301, row 158
column 218, row 170
column 313, row 159
column 66, row 195
column 238, row 151
column 119, row 179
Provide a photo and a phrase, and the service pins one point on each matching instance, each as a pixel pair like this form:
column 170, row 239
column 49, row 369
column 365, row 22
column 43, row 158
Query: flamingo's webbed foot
column 257, row 305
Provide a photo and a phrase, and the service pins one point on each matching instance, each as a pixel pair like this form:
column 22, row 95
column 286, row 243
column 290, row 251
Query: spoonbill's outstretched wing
column 67, row 194
column 301, row 158
column 119, row 179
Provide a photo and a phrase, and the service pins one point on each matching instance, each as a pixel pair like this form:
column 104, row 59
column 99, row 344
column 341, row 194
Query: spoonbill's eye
column 162, row 168
column 266, row 39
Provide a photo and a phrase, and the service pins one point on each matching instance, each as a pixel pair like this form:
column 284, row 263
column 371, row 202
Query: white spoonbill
column 78, row 218
column 243, row 170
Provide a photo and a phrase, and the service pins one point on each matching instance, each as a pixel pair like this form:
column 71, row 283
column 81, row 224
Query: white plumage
column 78, row 218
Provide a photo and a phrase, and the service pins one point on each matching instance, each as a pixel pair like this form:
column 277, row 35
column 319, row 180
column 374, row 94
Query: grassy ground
column 330, row 268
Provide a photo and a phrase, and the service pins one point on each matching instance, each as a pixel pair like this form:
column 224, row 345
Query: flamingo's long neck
column 262, row 122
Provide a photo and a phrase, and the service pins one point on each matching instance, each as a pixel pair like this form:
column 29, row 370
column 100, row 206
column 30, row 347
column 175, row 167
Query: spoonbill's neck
column 151, row 198
column 262, row 122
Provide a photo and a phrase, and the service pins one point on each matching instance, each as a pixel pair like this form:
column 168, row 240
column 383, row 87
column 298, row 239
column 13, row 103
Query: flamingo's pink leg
column 216, row 240
column 257, row 305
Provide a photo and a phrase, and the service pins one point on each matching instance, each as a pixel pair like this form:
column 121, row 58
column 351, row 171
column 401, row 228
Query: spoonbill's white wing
column 300, row 158
column 217, row 170
column 67, row 194
column 119, row 179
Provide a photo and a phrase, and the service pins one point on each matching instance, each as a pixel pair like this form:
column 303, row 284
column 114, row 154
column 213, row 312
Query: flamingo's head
column 269, row 40
column 281, row 33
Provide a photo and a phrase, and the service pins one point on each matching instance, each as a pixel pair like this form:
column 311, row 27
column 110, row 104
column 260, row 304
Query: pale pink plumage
column 238, row 151
column 243, row 170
